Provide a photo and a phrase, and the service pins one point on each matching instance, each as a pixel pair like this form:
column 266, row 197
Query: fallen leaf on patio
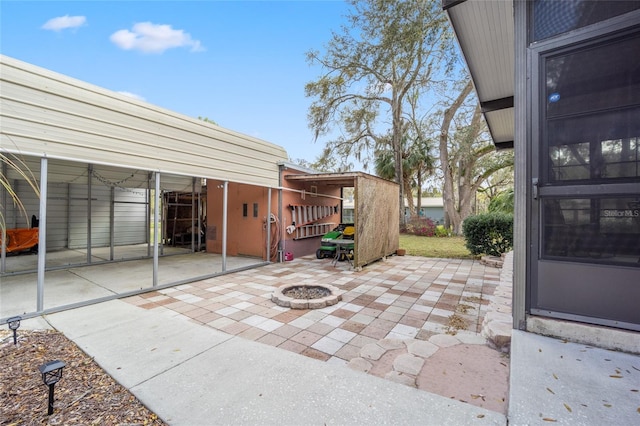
column 547, row 419
column 551, row 391
column 554, row 376
column 615, row 376
column 477, row 396
column 608, row 405
column 567, row 407
column 481, row 416
column 463, row 309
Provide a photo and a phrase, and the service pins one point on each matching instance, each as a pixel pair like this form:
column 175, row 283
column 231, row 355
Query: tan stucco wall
column 327, row 196
column 246, row 236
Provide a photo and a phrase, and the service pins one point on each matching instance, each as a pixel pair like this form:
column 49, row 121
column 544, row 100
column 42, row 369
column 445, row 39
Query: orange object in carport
column 21, row 239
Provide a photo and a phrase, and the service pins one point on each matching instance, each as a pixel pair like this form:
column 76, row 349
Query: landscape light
column 14, row 323
column 51, row 374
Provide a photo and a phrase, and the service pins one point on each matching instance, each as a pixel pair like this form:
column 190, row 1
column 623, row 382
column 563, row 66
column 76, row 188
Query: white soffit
column 501, row 123
column 485, row 32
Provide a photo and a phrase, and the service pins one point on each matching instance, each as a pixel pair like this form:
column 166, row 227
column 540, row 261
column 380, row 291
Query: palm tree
column 416, row 163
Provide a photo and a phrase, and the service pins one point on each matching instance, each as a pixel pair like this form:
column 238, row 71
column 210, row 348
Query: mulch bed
column 85, row 395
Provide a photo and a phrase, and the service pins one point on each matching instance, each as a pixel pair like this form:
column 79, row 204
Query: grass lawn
column 449, row 247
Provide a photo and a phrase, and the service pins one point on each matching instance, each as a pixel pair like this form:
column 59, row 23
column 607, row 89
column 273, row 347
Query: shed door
column 586, row 176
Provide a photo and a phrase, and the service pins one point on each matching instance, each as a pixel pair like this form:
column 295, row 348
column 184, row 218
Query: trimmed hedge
column 488, row 233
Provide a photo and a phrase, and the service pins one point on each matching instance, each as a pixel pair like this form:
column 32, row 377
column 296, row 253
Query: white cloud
column 154, row 38
column 63, row 22
column 132, row 95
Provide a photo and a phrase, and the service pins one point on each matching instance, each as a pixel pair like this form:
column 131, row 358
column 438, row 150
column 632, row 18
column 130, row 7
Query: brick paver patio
column 402, row 297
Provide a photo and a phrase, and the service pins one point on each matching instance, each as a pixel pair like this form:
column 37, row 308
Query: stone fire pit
column 306, row 296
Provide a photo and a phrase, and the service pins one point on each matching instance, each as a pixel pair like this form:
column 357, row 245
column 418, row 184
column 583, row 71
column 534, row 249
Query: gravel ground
column 85, row 395
column 307, row 292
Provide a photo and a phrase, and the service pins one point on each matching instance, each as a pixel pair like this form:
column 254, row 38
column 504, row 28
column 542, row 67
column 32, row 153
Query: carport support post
column 42, row 233
column 89, row 179
column 112, row 222
column 148, row 214
column 156, row 228
column 225, row 202
column 193, row 214
column 3, row 255
column 268, row 225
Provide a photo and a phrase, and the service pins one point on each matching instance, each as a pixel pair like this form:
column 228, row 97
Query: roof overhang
column 485, row 32
column 343, row 180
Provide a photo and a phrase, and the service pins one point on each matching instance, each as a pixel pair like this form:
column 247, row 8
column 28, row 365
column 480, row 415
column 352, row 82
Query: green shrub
column 488, row 233
column 441, row 231
column 421, row 226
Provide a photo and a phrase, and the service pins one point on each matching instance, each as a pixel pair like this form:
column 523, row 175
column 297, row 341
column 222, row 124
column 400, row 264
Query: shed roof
column 345, row 179
column 485, row 32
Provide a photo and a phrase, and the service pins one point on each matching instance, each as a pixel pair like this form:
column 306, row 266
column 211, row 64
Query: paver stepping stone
column 389, row 344
column 422, row 349
column 408, row 364
column 360, row 364
column 471, row 338
column 444, row 340
column 372, row 351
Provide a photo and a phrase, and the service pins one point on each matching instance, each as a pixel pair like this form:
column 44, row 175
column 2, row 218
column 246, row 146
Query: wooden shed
column 376, row 215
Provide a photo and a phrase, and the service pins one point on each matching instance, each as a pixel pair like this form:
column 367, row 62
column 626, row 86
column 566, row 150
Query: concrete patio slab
column 563, row 383
column 131, row 344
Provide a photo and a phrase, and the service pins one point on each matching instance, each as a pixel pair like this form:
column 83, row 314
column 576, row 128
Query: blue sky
column 239, row 63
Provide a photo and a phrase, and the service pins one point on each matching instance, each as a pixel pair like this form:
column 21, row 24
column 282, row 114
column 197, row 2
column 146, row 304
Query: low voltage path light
column 51, row 374
column 14, row 323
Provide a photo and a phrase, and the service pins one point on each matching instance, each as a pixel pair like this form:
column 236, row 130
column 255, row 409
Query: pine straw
column 85, row 395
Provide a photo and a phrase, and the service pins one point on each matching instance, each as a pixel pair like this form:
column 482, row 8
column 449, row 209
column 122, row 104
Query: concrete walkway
column 191, row 374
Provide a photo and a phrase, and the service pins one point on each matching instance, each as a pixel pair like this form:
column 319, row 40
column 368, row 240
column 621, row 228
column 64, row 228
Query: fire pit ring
column 306, row 296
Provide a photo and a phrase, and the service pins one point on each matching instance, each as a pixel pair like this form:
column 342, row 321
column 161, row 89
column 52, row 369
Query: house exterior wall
column 45, row 113
column 436, row 214
column 576, row 111
column 553, row 281
column 246, row 233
